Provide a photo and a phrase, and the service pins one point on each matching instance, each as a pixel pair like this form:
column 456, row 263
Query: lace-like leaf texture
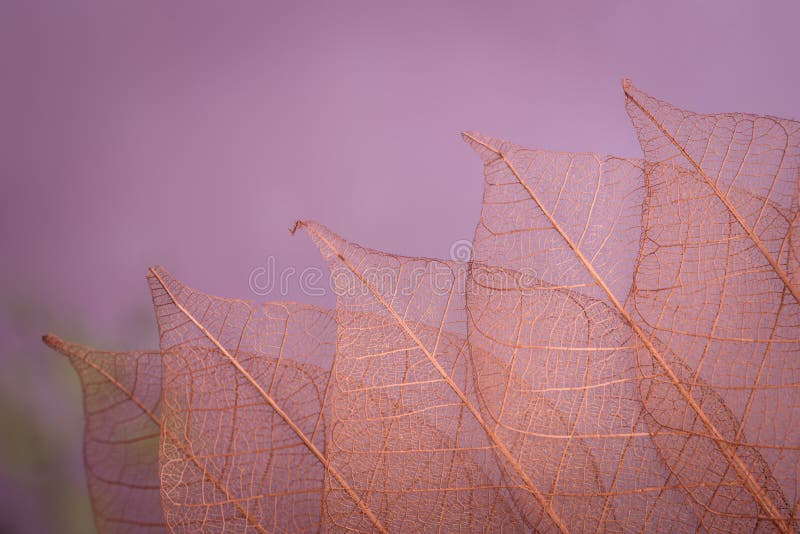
column 620, row 354
column 122, row 405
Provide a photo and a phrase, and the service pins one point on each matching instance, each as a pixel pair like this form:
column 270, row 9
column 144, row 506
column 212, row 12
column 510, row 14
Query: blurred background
column 193, row 134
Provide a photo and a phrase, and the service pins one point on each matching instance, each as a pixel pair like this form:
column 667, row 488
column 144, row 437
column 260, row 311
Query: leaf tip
column 486, row 147
column 627, row 84
column 156, row 270
column 470, row 137
column 52, row 341
column 158, row 278
column 297, row 224
column 326, row 241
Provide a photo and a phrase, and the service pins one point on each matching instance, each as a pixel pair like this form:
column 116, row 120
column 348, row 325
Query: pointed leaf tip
column 472, row 137
column 486, row 147
column 328, row 243
column 627, row 84
column 314, row 228
column 157, row 270
column 159, row 278
column 52, row 341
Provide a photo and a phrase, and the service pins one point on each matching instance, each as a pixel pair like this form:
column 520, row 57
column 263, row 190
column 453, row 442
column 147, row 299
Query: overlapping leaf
column 535, row 310
column 716, row 275
column 242, row 394
column 122, row 405
column 621, row 354
column 729, row 481
column 210, row 400
column 414, row 305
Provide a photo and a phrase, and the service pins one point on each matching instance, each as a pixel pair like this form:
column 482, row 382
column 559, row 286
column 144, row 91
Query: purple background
column 192, row 135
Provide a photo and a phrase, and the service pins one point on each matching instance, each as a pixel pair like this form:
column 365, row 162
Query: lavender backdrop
column 193, row 134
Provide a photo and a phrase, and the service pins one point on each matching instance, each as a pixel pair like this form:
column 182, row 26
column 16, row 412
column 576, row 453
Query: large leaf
column 531, row 309
column 571, row 215
column 418, row 451
column 244, row 396
column 717, row 272
column 400, row 342
column 121, row 400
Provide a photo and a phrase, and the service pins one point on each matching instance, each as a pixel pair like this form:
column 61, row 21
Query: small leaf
column 121, row 399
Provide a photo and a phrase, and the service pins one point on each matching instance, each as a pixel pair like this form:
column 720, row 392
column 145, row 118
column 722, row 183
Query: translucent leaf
column 717, row 272
column 401, row 329
column 121, row 400
column 556, row 344
column 244, row 396
column 746, row 165
column 542, row 209
column 411, row 454
column 619, row 354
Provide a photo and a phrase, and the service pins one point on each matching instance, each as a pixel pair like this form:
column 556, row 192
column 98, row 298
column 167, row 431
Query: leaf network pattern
column 620, row 354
